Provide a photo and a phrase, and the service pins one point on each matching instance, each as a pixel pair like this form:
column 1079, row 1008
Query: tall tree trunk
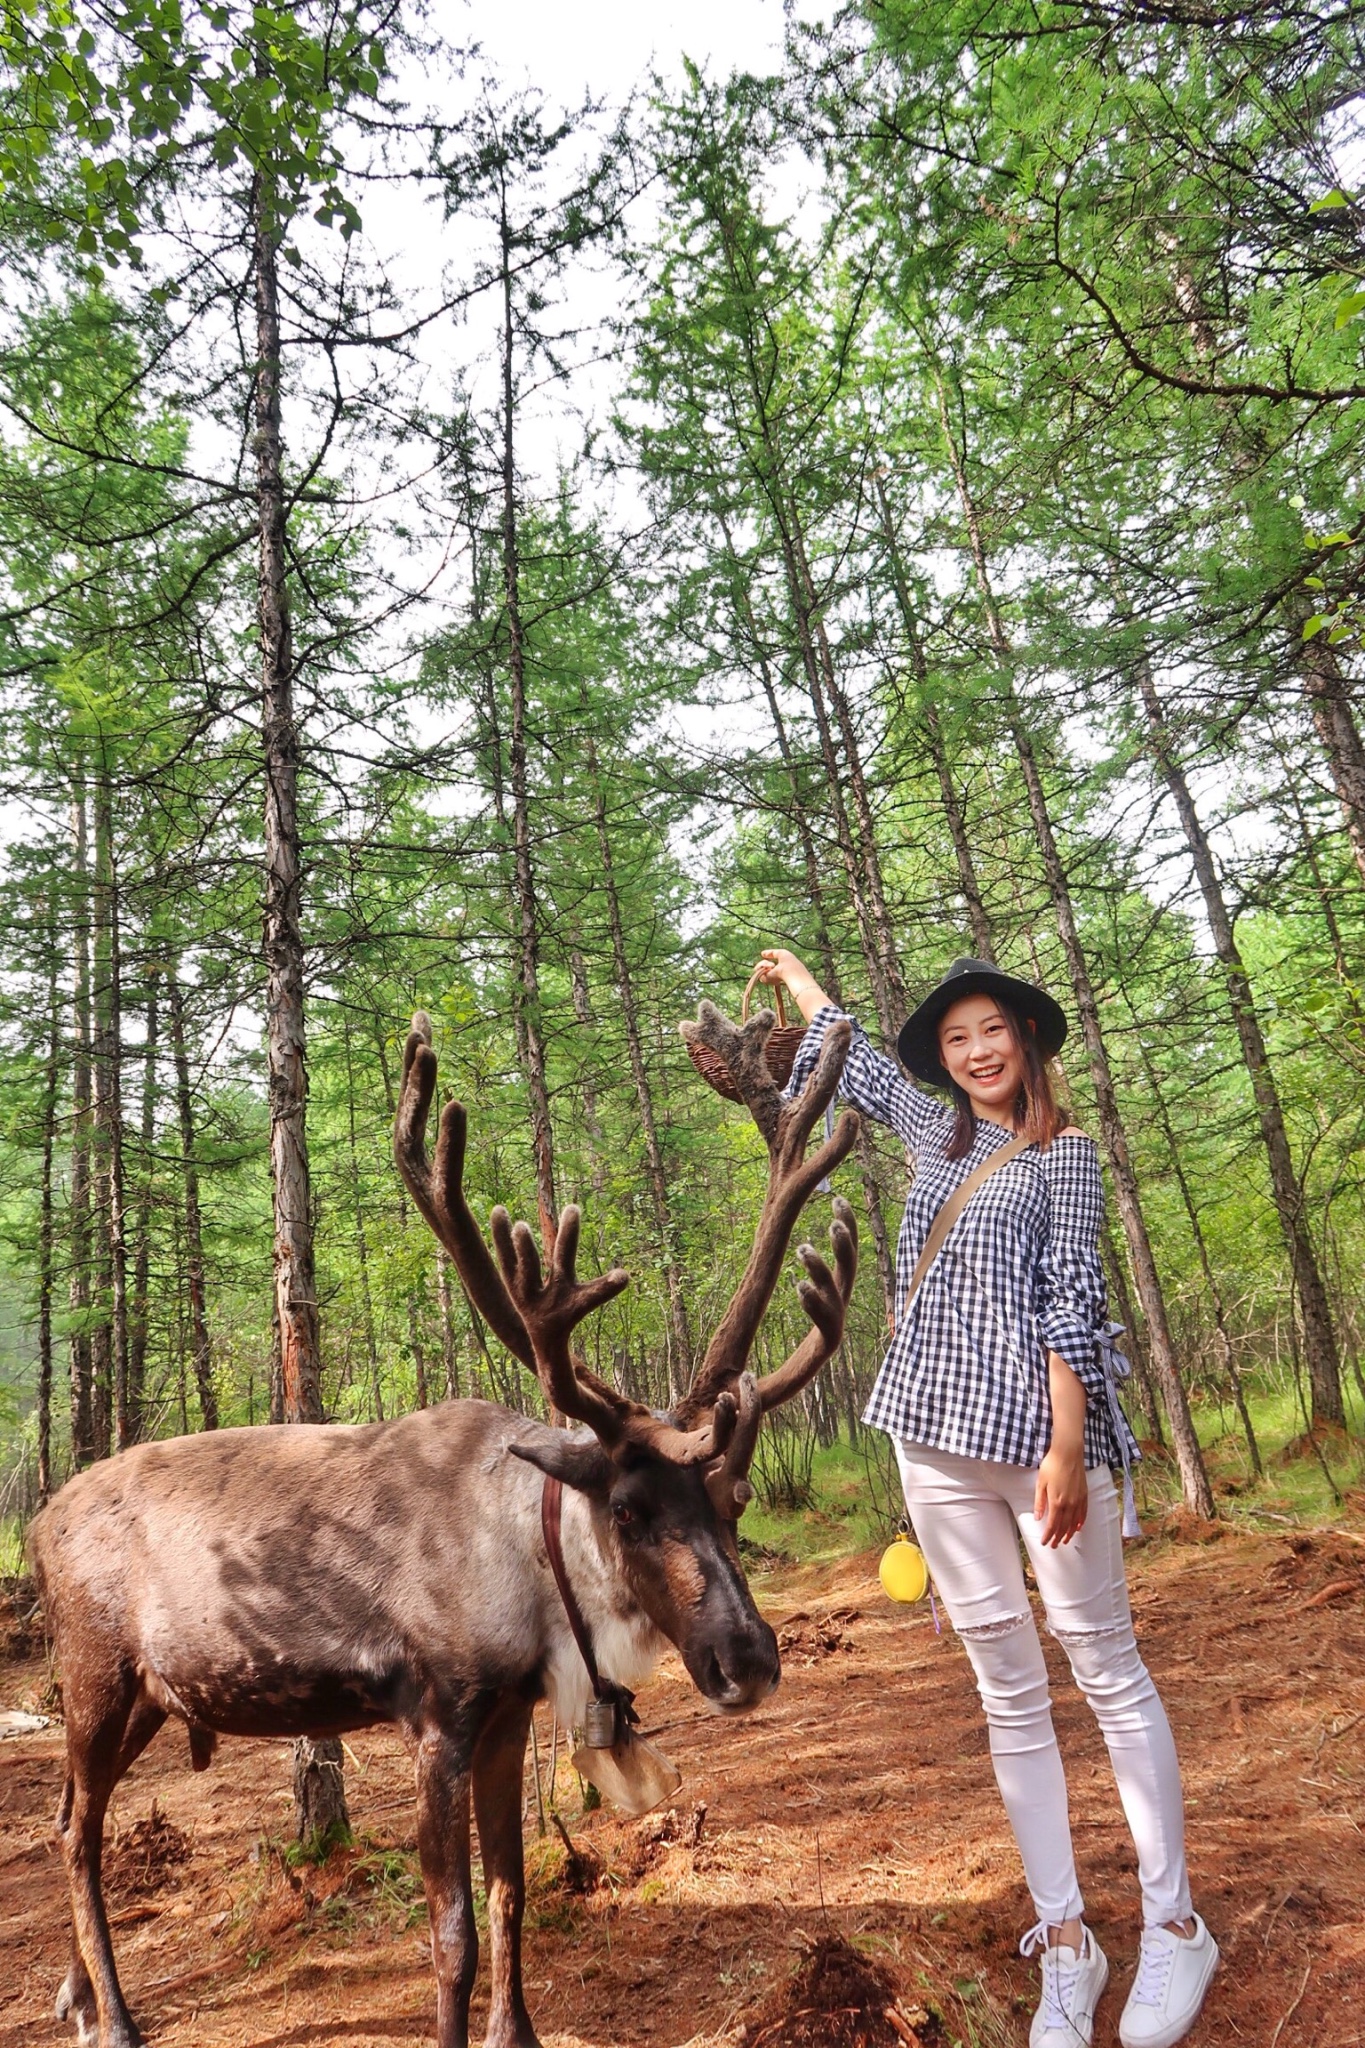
column 200, row 1344
column 680, row 1346
column 888, row 951
column 879, row 977
column 421, row 1388
column 319, row 1793
column 581, row 998
column 450, row 1350
column 362, row 1247
column 110, row 1346
column 295, row 1285
column 82, row 1360
column 876, row 940
column 815, row 890
column 1336, row 938
column 1319, row 1337
column 954, row 810
column 45, row 1218
column 1134, row 1344
column 1329, row 701
column 1194, row 1478
column 138, row 1316
column 1227, row 1354
column 528, row 936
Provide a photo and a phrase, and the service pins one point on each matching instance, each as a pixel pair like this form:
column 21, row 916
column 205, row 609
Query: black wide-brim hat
column 917, row 1043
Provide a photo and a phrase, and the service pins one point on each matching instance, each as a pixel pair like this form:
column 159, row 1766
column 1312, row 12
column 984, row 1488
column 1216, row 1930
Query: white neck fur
column 625, row 1641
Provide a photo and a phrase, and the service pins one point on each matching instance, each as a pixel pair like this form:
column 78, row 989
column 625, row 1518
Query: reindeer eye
column 621, row 1515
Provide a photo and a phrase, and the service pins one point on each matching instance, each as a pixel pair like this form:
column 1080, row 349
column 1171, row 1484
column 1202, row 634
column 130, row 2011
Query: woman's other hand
column 1062, row 1496
column 775, row 963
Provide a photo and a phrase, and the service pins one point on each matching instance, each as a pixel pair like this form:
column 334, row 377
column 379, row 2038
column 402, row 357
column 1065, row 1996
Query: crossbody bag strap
column 953, row 1208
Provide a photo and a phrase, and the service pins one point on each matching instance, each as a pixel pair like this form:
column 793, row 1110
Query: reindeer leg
column 76, row 1999
column 498, row 1763
column 100, row 1746
column 443, row 1848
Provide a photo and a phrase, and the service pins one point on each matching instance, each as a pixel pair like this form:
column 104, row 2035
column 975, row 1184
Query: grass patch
column 855, row 1501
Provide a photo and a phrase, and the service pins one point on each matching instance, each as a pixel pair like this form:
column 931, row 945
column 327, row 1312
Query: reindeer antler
column 439, row 1192
column 551, row 1307
column 792, row 1178
column 532, row 1314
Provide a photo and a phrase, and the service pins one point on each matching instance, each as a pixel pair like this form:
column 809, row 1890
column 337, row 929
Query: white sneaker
column 1173, row 1974
column 1073, row 1984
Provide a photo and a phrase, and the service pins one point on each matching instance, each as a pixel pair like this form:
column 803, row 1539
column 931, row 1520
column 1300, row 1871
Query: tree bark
column 1319, row 1336
column 201, row 1348
column 142, row 1253
column 1134, row 1345
column 1227, row 1355
column 109, row 1104
column 1329, row 701
column 450, row 1350
column 680, row 1347
column 45, row 1222
column 295, row 1285
column 581, row 999
column 362, row 1247
column 954, row 811
column 82, row 1404
column 829, row 976
column 528, row 937
column 319, row 1791
column 1194, row 1478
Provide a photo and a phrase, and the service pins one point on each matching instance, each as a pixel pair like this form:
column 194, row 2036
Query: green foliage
column 1054, row 384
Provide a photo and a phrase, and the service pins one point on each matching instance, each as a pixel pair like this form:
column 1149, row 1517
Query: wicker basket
column 783, row 1041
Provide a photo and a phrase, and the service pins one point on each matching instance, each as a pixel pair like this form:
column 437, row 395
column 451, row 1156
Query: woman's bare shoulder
column 1072, row 1131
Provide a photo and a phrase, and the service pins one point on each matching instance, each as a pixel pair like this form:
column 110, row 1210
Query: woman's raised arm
column 775, row 964
column 871, row 1082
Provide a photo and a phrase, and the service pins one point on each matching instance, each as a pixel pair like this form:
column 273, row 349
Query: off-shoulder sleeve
column 871, row 1082
column 1071, row 1290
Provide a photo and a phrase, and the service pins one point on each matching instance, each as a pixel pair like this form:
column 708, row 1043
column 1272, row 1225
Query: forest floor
column 859, row 1800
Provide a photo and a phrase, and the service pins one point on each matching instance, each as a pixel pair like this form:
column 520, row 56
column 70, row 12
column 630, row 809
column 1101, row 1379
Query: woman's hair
column 1036, row 1111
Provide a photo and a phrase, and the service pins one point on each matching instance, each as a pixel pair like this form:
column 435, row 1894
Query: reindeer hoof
column 76, row 2001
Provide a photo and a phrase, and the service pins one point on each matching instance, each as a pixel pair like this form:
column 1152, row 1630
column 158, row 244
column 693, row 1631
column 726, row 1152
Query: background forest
column 464, row 554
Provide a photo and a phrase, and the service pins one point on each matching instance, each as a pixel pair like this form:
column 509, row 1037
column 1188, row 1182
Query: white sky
column 607, row 47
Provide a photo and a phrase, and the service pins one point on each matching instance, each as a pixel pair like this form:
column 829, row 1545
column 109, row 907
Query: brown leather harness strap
column 551, row 1503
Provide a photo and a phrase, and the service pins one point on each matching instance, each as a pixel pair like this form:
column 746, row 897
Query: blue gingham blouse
column 1018, row 1276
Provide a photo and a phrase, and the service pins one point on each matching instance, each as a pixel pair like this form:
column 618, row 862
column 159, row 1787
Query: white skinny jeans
column 969, row 1514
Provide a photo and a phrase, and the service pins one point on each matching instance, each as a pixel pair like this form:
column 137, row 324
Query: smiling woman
column 998, row 1395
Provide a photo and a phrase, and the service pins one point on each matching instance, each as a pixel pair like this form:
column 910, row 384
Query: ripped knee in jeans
column 1082, row 1638
column 991, row 1631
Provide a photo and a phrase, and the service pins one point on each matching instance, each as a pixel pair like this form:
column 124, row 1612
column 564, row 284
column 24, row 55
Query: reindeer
column 318, row 1580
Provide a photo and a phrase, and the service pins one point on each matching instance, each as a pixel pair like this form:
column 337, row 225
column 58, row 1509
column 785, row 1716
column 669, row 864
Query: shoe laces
column 1154, row 1968
column 1061, row 1973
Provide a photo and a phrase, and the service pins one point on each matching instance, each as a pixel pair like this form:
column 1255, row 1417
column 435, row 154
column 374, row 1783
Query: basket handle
column 776, row 988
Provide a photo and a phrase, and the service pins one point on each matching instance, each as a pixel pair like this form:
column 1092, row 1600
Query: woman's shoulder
column 1072, row 1157
column 1071, row 1166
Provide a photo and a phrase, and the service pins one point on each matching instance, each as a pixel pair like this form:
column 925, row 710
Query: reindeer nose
column 742, row 1672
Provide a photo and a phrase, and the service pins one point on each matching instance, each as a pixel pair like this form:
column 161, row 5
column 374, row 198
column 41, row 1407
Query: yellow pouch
column 903, row 1572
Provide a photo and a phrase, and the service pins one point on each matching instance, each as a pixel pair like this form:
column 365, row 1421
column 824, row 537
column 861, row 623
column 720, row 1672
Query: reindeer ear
column 577, row 1460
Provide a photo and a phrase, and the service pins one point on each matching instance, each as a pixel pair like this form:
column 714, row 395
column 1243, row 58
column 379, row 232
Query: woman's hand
column 775, row 963
column 1062, row 1496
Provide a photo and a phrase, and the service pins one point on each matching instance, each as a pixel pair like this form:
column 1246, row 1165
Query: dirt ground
column 860, row 1801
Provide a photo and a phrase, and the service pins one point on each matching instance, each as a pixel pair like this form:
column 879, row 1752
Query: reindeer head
column 668, row 1489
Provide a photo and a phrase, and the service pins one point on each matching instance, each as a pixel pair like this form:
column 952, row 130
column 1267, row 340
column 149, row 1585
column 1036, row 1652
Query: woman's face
column 977, row 1047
